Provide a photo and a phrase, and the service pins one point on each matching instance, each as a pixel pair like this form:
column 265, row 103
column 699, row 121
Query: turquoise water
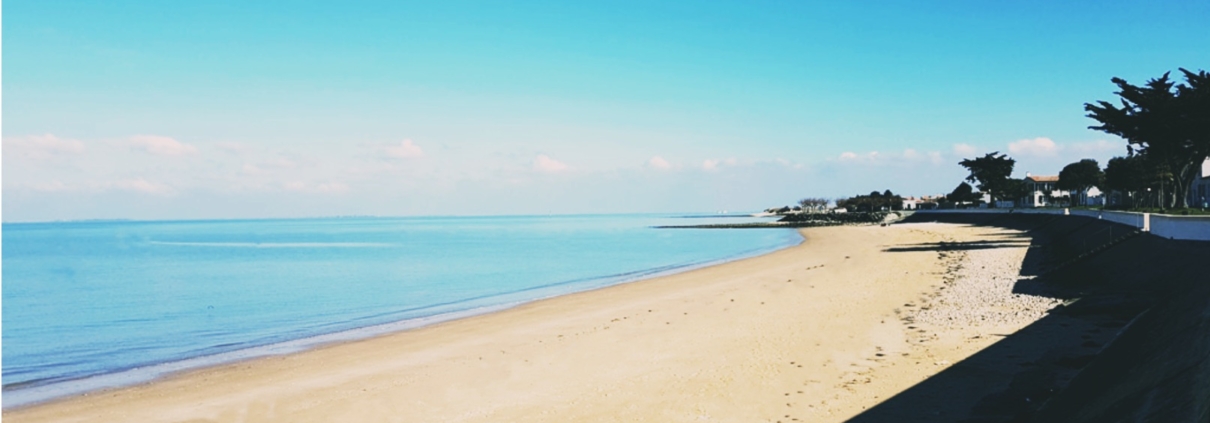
column 88, row 305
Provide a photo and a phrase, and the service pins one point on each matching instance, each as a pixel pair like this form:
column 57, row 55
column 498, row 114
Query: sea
column 97, row 304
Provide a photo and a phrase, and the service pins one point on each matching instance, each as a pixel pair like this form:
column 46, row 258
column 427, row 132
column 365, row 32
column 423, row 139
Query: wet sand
column 816, row 332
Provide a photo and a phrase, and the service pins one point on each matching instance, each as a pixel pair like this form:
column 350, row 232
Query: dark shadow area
column 956, row 246
column 1132, row 344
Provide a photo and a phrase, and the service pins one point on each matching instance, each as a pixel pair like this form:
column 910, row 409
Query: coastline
column 68, row 389
column 756, row 338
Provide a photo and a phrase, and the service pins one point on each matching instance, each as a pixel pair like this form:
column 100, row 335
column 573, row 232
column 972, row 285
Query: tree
column 1132, row 176
column 991, row 172
column 963, row 193
column 1125, row 174
column 1078, row 177
column 875, row 201
column 813, row 204
column 1015, row 189
column 1168, row 123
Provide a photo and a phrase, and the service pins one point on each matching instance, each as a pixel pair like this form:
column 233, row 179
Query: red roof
column 1043, row 178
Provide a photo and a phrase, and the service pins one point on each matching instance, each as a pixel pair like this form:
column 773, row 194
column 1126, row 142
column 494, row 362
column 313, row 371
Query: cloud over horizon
column 40, row 147
column 1037, row 147
column 161, row 146
column 143, row 186
column 965, row 151
column 658, row 162
column 405, row 150
column 545, row 164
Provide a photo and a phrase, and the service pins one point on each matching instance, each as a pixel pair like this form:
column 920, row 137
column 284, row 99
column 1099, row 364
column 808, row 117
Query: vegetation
column 992, row 172
column 1080, row 176
column 1166, row 124
column 1130, row 177
column 814, row 205
column 963, row 193
column 875, row 201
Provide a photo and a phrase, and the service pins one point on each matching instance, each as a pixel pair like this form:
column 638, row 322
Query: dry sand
column 816, row 332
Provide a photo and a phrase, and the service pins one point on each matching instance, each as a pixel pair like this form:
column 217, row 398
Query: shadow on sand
column 1110, row 276
column 957, row 246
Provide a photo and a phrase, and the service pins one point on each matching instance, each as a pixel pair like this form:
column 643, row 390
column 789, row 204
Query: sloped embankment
column 1156, row 368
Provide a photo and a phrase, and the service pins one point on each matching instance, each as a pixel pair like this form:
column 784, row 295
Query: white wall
column 1174, row 227
column 1181, row 227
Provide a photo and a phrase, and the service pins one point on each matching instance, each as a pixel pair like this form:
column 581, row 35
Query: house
column 1091, row 197
column 1199, row 191
column 1041, row 191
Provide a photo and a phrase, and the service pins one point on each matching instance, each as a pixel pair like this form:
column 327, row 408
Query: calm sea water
column 88, row 305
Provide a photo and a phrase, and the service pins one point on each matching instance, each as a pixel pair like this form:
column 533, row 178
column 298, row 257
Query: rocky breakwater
column 808, row 220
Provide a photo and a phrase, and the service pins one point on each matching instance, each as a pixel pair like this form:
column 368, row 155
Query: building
column 1041, row 191
column 1091, row 197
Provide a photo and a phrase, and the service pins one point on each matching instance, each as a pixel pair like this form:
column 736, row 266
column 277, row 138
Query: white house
column 1092, row 197
column 1040, row 191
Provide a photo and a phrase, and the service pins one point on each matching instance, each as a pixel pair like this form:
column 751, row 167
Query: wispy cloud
column 251, row 169
column 321, row 188
column 1036, row 147
column 965, row 150
column 49, row 186
column 41, row 146
column 711, row 165
column 143, row 186
column 404, row 150
column 545, row 164
column 851, row 157
column 935, row 157
column 907, row 157
column 161, row 146
column 658, row 162
column 231, row 147
column 1098, row 147
column 332, row 188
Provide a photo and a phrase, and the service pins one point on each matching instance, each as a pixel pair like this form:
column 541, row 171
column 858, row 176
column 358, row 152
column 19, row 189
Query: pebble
column 980, row 292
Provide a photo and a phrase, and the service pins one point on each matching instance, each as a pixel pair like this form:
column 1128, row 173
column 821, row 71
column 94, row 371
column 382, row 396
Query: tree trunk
column 1185, row 179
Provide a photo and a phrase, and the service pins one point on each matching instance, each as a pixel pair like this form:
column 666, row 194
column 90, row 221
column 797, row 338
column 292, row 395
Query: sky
column 234, row 109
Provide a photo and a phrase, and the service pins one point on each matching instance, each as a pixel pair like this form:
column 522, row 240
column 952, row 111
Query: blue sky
column 180, row 110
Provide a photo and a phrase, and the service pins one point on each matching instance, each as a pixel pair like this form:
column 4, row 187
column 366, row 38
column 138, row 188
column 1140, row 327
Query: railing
column 1164, row 225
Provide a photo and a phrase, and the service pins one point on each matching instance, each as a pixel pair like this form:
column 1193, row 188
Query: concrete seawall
column 1151, row 289
column 1193, row 228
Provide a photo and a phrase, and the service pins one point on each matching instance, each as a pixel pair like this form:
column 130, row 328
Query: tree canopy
column 963, row 193
column 991, row 172
column 875, row 201
column 1135, row 177
column 1168, row 123
column 812, row 204
column 1078, row 177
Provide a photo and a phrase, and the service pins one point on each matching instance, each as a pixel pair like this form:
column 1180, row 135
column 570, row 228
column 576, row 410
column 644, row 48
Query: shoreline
column 750, row 339
column 66, row 390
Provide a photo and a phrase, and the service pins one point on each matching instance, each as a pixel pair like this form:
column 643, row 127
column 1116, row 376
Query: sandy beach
column 818, row 332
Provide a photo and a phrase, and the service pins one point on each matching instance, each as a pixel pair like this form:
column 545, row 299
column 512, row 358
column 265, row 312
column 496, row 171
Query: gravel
column 978, row 291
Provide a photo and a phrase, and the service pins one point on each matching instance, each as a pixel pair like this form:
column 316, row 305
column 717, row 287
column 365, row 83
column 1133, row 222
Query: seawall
column 1151, row 288
column 1193, row 228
